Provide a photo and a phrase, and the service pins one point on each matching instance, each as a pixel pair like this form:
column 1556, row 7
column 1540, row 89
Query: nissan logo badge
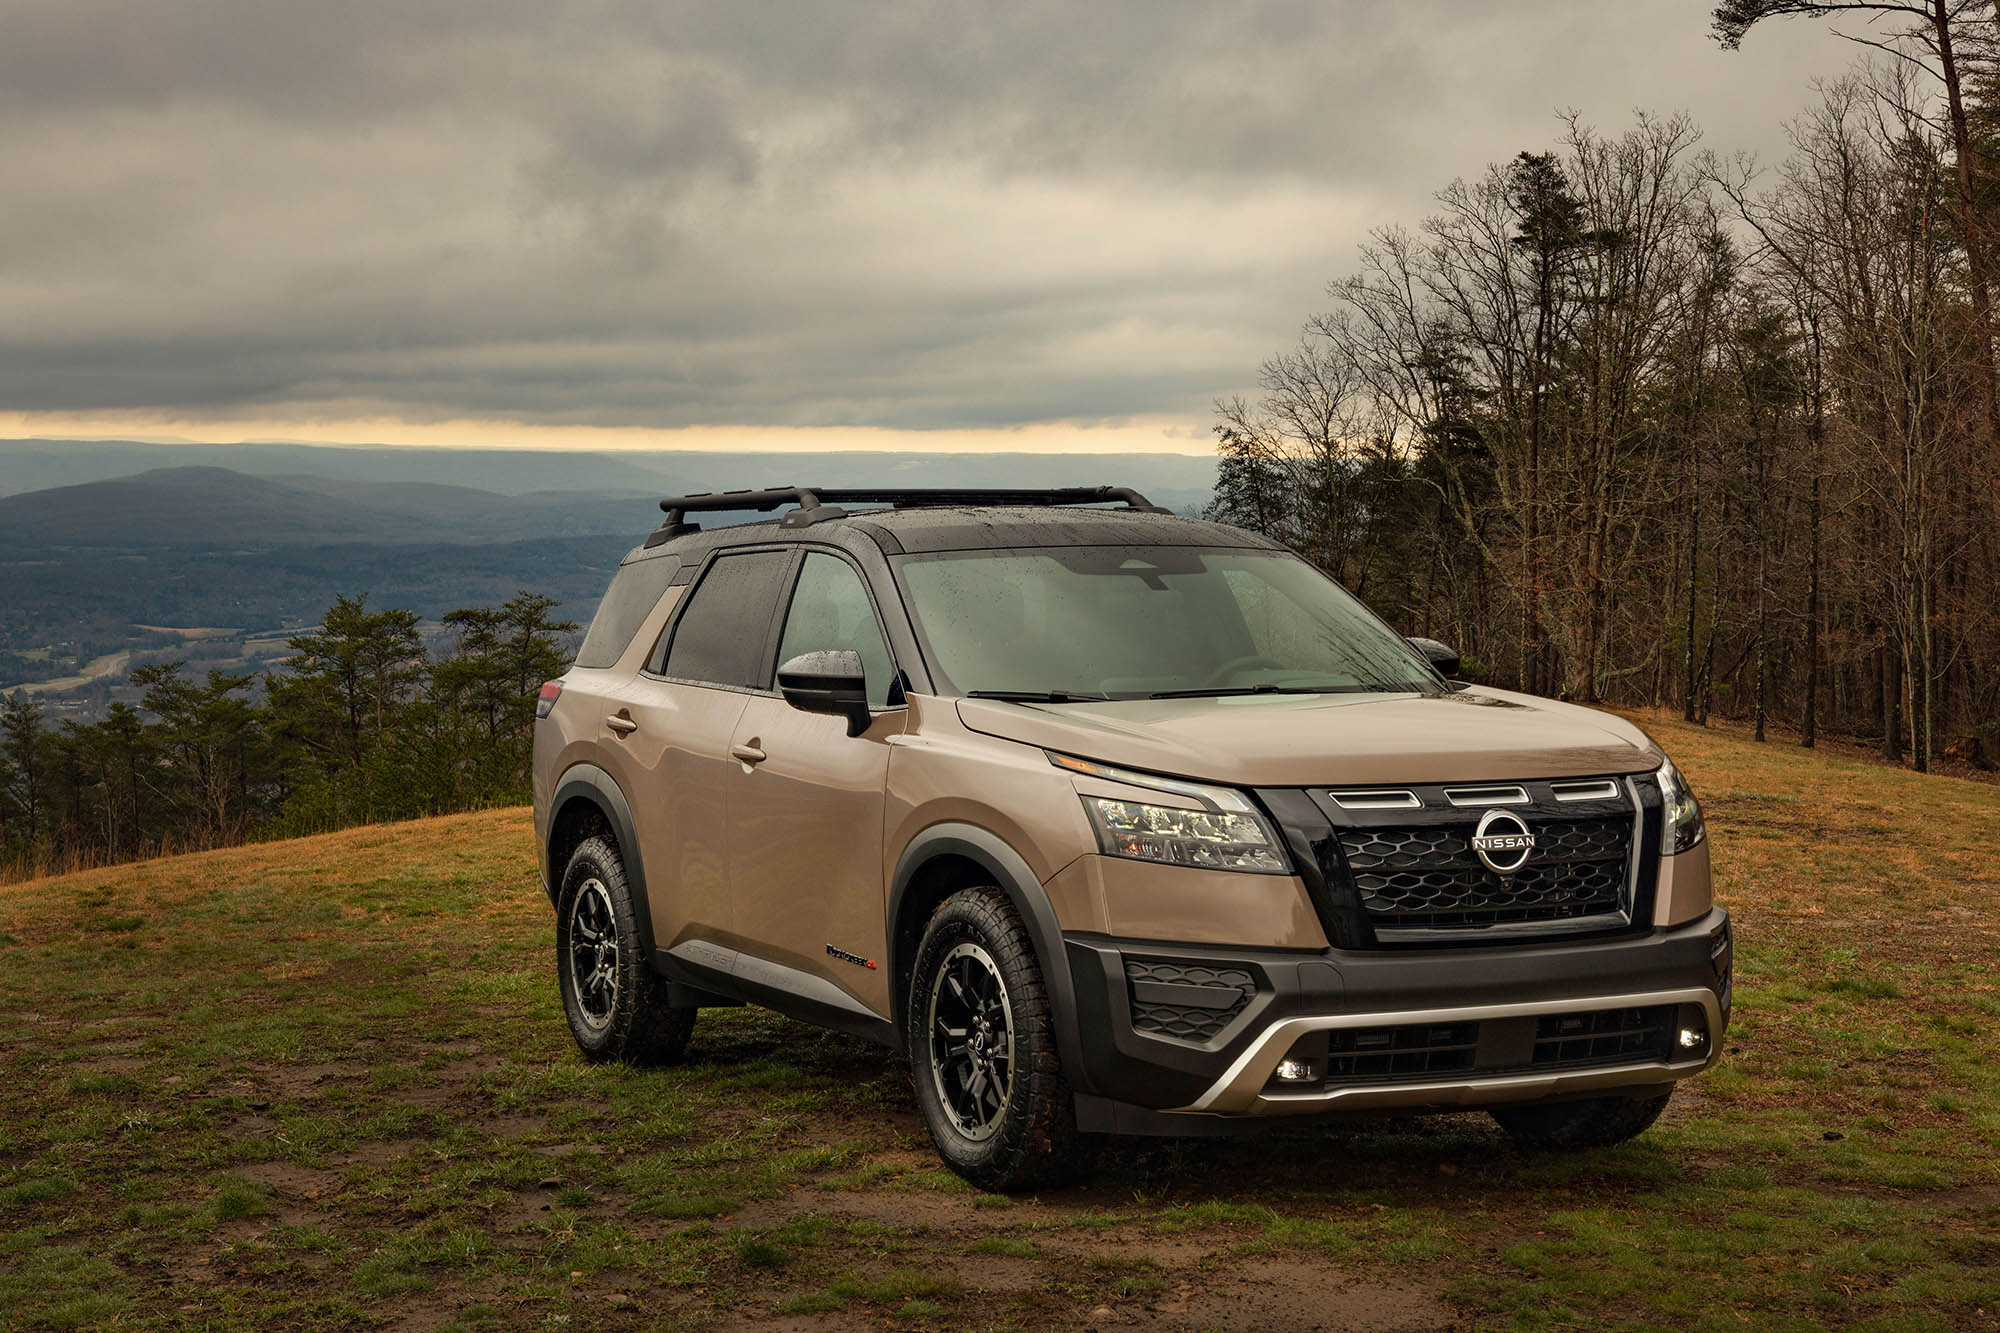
column 1502, row 841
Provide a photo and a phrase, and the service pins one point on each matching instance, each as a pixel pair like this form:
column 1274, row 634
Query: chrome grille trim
column 1607, row 790
column 1476, row 796
column 1376, row 800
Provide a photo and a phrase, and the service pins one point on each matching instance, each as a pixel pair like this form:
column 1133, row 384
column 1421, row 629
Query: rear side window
column 721, row 635
column 635, row 590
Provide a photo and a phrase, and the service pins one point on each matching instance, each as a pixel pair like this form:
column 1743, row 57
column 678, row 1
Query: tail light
column 551, row 691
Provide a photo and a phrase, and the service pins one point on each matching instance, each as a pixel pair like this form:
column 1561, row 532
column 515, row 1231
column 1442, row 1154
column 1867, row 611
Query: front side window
column 721, row 635
column 831, row 611
column 1144, row 621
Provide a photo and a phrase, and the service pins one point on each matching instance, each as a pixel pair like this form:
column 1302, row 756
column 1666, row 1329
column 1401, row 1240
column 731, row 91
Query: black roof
column 972, row 528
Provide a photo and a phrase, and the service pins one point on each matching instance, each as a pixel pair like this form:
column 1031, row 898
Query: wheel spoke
column 593, row 953
column 971, row 1040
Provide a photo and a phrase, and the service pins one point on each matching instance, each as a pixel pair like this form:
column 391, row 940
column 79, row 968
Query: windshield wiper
column 1037, row 696
column 1220, row 691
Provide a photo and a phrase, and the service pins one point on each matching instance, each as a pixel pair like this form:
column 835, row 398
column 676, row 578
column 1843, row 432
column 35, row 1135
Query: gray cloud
column 623, row 213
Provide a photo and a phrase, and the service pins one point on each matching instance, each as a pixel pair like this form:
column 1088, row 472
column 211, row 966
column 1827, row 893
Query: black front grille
column 1189, row 1002
column 1602, row 1037
column 1428, row 877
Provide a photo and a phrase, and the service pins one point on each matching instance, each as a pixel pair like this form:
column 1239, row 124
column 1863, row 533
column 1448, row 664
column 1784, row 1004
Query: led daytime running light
column 1682, row 810
column 1227, row 833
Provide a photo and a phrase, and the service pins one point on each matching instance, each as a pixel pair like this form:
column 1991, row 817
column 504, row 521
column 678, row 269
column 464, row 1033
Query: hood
column 1332, row 740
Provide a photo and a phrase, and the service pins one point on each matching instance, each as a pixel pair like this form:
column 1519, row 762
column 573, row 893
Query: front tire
column 617, row 1007
column 1597, row 1122
column 983, row 1051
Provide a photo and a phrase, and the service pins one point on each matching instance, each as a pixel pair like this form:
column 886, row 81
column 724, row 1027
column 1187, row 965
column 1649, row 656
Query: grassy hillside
column 326, row 1083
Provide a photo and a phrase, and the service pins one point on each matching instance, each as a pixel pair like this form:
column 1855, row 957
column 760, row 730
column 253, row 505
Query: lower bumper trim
column 1243, row 1088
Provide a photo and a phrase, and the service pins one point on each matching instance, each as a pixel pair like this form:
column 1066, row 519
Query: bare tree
column 1934, row 30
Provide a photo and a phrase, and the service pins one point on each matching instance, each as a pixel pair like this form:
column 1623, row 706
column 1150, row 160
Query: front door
column 806, row 801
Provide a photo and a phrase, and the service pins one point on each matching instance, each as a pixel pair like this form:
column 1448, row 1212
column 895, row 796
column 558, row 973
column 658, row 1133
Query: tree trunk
column 1694, row 568
column 1972, row 232
column 1892, row 703
column 1809, row 728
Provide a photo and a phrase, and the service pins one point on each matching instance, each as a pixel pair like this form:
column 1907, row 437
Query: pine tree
column 1250, row 491
column 23, row 774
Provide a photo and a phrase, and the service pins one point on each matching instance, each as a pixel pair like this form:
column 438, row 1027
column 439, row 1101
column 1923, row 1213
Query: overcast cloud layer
column 661, row 214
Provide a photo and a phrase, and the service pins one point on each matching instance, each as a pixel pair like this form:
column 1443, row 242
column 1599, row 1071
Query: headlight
column 1227, row 833
column 1683, row 811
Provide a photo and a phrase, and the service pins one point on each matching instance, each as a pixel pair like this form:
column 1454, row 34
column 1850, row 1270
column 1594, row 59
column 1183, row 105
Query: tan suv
column 1115, row 821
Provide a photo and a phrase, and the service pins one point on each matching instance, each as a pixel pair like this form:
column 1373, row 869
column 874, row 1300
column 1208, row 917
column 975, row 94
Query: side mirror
column 1442, row 656
column 828, row 682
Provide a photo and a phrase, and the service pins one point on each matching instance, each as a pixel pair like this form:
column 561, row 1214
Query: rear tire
column 983, row 1050
column 1570, row 1126
column 616, row 1005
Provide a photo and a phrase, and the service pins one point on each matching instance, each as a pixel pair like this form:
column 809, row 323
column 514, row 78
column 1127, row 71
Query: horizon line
column 1157, row 435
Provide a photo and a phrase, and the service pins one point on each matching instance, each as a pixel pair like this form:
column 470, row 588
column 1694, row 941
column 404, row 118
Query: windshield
column 1125, row 622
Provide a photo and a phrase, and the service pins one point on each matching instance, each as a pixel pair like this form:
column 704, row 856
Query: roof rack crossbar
column 814, row 504
column 1060, row 495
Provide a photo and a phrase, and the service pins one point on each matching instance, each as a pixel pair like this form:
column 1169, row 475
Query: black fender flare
column 1014, row 877
column 591, row 784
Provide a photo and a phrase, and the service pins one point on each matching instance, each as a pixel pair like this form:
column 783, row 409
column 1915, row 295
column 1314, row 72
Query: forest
column 1631, row 422
column 362, row 725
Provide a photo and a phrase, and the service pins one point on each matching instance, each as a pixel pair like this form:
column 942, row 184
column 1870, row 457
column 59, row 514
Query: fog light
column 1691, row 1035
column 1296, row 1071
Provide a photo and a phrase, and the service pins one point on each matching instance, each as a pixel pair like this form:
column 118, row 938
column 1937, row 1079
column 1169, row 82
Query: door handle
column 621, row 723
column 749, row 754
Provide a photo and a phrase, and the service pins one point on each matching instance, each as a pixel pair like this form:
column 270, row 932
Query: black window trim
column 777, row 631
column 656, row 659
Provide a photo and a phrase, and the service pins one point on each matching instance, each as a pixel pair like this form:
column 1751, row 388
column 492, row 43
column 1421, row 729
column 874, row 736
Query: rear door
column 671, row 730
column 806, row 799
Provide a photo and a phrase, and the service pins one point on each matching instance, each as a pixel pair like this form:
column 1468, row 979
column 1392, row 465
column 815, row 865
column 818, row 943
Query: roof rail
column 817, row 504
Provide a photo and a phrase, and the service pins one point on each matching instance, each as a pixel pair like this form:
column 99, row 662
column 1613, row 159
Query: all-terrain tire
column 616, row 1005
column 1029, row 1140
column 1597, row 1122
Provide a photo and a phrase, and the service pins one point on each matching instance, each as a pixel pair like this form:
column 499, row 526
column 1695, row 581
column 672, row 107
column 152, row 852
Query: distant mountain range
column 208, row 507
column 1179, row 481
column 102, row 543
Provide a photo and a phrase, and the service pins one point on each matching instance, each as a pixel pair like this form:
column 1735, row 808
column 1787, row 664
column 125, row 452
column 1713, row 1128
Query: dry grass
column 325, row 1084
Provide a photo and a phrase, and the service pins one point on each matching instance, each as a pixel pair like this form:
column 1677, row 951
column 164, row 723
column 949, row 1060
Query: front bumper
column 1199, row 1033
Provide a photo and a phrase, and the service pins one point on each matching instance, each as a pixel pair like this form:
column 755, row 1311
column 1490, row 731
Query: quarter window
column 831, row 610
column 722, row 634
column 635, row 590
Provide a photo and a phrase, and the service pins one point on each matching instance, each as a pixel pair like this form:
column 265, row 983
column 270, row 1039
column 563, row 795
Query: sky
column 1022, row 226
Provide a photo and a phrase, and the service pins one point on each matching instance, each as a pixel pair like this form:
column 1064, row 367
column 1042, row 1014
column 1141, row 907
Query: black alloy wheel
column 983, row 1056
column 972, row 1041
column 616, row 1004
column 593, row 953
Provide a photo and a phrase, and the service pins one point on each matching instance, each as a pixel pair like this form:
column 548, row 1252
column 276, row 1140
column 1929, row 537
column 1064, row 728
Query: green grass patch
column 758, row 1252
column 359, row 1105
